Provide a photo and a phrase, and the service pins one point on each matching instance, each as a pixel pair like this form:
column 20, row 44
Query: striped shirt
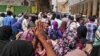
column 91, row 29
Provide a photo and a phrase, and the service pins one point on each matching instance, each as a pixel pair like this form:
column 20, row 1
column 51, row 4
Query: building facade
column 86, row 7
column 63, row 6
column 60, row 6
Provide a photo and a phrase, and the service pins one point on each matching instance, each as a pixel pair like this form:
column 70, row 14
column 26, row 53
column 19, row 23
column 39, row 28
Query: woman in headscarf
column 55, row 39
column 63, row 27
column 54, row 32
column 24, row 48
column 18, row 48
column 5, row 34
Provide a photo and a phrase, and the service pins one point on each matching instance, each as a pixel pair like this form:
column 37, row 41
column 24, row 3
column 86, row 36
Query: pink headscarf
column 55, row 24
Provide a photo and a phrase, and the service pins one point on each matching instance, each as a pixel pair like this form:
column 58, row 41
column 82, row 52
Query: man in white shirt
column 25, row 23
column 65, row 18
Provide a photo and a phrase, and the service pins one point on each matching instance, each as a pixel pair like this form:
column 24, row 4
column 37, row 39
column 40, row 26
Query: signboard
column 34, row 9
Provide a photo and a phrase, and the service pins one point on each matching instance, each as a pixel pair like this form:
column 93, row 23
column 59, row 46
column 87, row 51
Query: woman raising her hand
column 39, row 34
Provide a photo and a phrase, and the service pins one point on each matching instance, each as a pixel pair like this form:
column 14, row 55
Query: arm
column 39, row 34
column 48, row 48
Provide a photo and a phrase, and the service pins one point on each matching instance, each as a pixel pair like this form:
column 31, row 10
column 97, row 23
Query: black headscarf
column 5, row 33
column 81, row 32
column 18, row 48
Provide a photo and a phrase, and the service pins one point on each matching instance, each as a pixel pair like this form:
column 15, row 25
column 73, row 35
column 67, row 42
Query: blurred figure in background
column 2, row 16
column 8, row 20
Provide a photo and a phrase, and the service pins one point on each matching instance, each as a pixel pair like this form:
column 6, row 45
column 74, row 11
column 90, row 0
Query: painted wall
column 19, row 9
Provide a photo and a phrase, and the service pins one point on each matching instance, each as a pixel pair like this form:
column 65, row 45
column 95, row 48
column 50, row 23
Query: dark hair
column 34, row 18
column 5, row 32
column 71, row 17
column 81, row 32
column 18, row 48
column 22, row 13
column 92, row 18
column 58, row 16
column 65, row 15
column 9, row 13
column 78, row 19
column 2, row 15
column 14, row 16
column 44, row 16
column 25, row 16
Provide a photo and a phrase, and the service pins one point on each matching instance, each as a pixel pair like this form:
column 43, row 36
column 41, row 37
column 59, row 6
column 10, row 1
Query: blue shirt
column 8, row 21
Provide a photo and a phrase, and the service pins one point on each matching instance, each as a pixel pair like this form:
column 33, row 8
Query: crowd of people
column 49, row 34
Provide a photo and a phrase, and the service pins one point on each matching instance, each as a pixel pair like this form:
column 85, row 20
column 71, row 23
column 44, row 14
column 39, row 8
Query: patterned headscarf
column 63, row 26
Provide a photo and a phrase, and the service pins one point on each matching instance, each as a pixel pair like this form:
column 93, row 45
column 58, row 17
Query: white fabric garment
column 1, row 19
column 40, row 15
column 25, row 24
column 65, row 19
column 74, row 25
column 20, row 18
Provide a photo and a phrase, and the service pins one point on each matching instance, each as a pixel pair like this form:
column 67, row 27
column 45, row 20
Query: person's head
column 92, row 19
column 9, row 13
column 18, row 48
column 45, row 16
column 2, row 15
column 71, row 18
column 5, row 32
column 26, row 16
column 65, row 15
column 82, row 31
column 55, row 24
column 58, row 16
column 14, row 16
column 34, row 18
column 78, row 19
